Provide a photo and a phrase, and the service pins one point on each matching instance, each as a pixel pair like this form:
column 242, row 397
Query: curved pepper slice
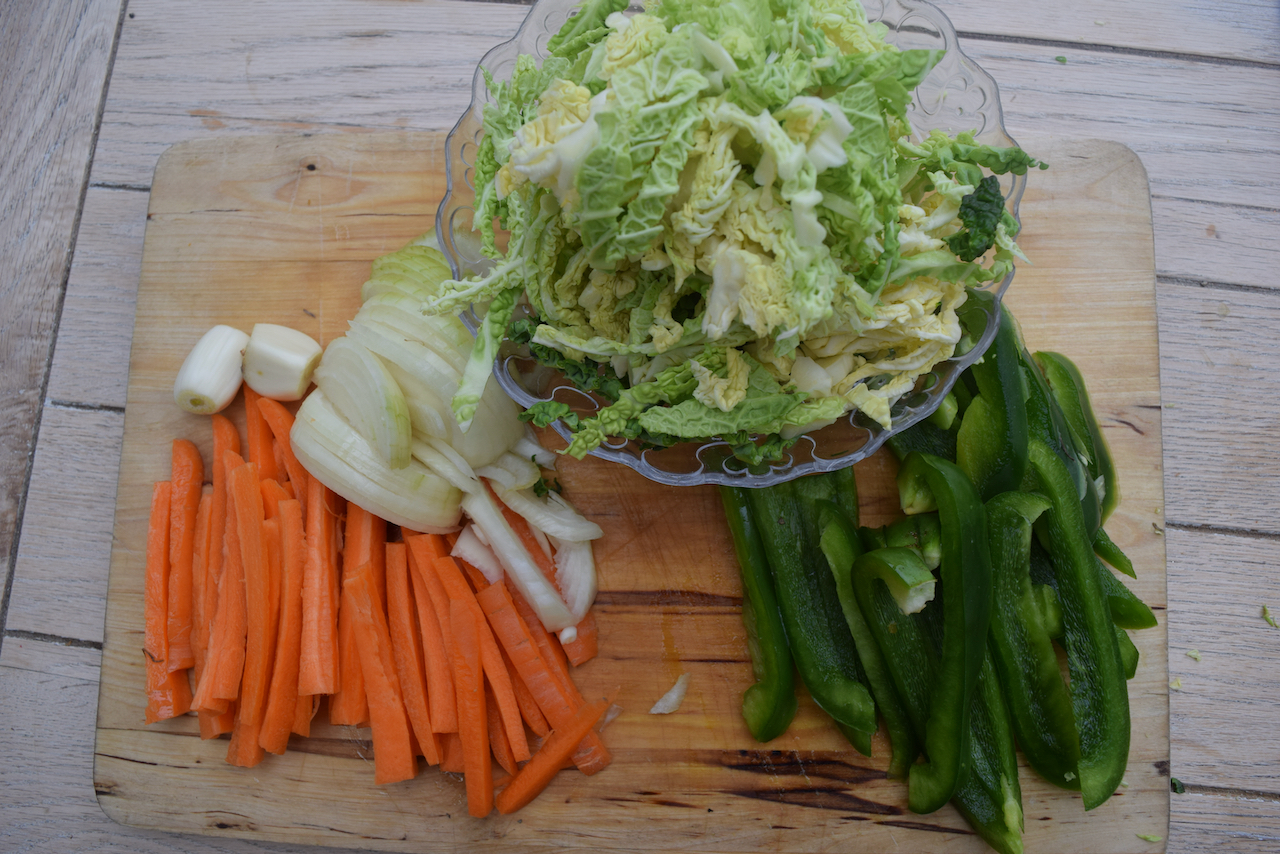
column 1069, row 390
column 768, row 705
column 824, row 651
column 925, row 483
column 992, row 444
column 1099, row 695
column 1022, row 648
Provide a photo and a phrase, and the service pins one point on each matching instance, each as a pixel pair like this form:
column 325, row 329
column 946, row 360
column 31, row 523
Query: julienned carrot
column 529, row 709
column 282, row 700
column 474, row 576
column 225, row 665
column 348, row 706
column 586, row 642
column 441, row 698
column 473, row 722
column 187, row 478
column 280, row 421
column 458, row 590
column 546, row 763
column 498, row 742
column 246, row 495
column 272, row 494
column 318, row 659
column 225, row 438
column 451, row 761
column 404, row 634
column 303, row 713
column 272, row 539
column 199, row 569
column 165, row 698
column 546, row 674
column 366, row 541
column 393, row 757
column 259, row 437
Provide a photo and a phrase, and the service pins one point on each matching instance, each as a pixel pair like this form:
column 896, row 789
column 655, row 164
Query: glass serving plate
column 956, row 96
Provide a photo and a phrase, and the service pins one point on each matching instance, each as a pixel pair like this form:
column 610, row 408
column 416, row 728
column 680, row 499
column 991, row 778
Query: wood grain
column 243, row 230
column 49, row 100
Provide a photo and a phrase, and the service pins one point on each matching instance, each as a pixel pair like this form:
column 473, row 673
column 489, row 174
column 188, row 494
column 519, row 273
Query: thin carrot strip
column 303, row 713
column 280, row 421
column 496, row 672
column 187, row 478
column 227, row 640
column 366, row 539
column 393, row 757
column 282, row 472
column 199, row 571
column 258, row 434
column 542, row 768
column 215, row 718
column 441, row 699
column 348, row 706
column 272, row 494
column 474, row 576
column 165, row 698
column 404, row 645
column 498, row 742
column 246, row 496
column 318, row 659
column 451, row 761
column 586, row 644
column 282, row 701
column 473, row 722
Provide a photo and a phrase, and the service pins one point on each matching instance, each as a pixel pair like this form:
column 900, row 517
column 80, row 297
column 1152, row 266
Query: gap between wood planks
column 1209, row 285
column 1094, row 47
column 59, row 299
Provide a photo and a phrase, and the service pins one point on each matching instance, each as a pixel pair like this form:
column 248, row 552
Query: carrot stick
column 199, row 572
column 366, row 539
column 538, row 773
column 187, row 478
column 282, row 702
column 404, row 646
column 272, row 494
column 458, row 590
column 246, row 497
column 318, row 659
column 474, row 576
column 365, row 544
column 227, row 640
column 280, row 421
column 259, row 436
column 498, row 742
column 473, row 722
column 348, row 706
column 393, row 757
column 529, row 646
column 585, row 645
column 225, row 438
column 165, row 698
column 440, row 691
column 306, row 710
column 282, row 472
column 529, row 709
column 451, row 761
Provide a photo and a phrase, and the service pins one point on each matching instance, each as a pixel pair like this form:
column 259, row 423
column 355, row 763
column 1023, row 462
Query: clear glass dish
column 956, row 96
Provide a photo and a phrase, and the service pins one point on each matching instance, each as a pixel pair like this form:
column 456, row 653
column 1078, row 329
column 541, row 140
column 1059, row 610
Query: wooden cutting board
column 282, row 228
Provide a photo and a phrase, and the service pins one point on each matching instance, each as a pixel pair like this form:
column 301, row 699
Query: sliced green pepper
column 926, row 482
column 841, row 547
column 990, row 798
column 817, row 634
column 769, row 705
column 1069, row 389
column 991, row 446
column 1128, row 652
column 922, row 532
column 1099, row 696
column 1104, row 548
column 1128, row 611
column 1022, row 650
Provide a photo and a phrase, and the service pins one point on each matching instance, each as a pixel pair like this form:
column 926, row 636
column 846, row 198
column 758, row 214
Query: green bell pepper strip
column 1128, row 652
column 769, row 705
column 965, row 567
column 1127, row 610
column 991, row 446
column 945, row 415
column 1099, row 696
column 873, row 538
column 922, row 532
column 819, row 639
column 1069, row 389
column 987, row 793
column 1104, row 548
column 1022, row 649
column 927, row 437
column 841, row 546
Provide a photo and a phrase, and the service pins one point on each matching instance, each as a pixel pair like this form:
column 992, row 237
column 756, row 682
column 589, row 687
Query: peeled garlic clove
column 279, row 360
column 210, row 376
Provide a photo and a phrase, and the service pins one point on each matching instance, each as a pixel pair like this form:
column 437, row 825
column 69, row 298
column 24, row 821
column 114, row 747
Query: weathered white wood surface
column 1194, row 88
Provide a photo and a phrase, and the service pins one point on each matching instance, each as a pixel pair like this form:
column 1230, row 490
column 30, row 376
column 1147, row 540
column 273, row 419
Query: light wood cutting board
column 282, row 228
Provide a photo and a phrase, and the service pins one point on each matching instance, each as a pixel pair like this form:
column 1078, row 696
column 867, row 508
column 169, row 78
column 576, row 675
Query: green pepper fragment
column 990, row 798
column 1128, row 653
column 824, row 652
column 1127, row 610
column 1021, row 647
column 1099, row 696
column 1104, row 548
column 965, row 567
column 922, row 533
column 991, row 446
column 769, row 705
column 1067, row 385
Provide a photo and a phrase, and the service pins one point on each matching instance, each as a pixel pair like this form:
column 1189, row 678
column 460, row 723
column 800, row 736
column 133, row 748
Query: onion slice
column 362, row 391
column 671, row 700
column 550, row 514
column 469, row 548
column 576, row 575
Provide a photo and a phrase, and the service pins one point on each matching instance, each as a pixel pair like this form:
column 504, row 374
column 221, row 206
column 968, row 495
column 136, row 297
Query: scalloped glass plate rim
column 644, row 461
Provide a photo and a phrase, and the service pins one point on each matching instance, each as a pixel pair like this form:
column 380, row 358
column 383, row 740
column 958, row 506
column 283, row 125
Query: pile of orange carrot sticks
column 268, row 593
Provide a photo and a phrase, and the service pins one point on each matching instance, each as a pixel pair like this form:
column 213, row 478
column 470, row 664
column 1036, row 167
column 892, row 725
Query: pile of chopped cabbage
column 718, row 206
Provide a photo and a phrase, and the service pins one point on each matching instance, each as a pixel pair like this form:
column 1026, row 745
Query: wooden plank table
column 1194, row 89
column 281, row 229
